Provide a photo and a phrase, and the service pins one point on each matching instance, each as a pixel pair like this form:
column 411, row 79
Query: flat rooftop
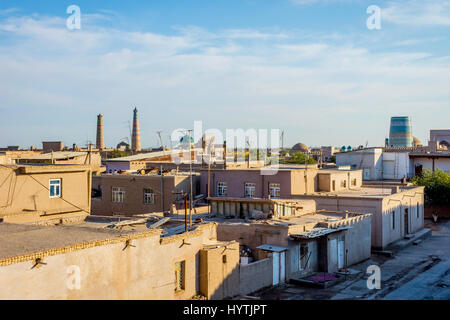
column 306, row 219
column 436, row 154
column 281, row 167
column 57, row 155
column 19, row 239
column 363, row 192
column 337, row 170
column 38, row 167
column 143, row 156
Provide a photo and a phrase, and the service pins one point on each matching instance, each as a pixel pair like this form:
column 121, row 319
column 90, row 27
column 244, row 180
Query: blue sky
column 308, row 67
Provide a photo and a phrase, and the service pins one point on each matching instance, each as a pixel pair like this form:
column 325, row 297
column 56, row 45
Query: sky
column 311, row 68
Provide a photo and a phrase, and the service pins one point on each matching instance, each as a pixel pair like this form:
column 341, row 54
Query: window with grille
column 221, row 189
column 250, row 189
column 304, row 256
column 180, row 275
column 55, row 188
column 118, row 194
column 274, row 190
column 354, row 182
column 149, row 196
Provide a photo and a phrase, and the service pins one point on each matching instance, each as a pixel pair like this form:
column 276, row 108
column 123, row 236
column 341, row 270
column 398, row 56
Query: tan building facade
column 39, row 193
column 132, row 194
column 78, row 262
column 305, row 244
column 287, row 182
column 396, row 212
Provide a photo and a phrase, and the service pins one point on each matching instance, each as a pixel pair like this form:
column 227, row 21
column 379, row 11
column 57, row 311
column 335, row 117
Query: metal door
column 366, row 173
column 333, row 254
column 388, row 169
column 282, row 266
column 406, row 222
column 276, row 268
column 341, row 252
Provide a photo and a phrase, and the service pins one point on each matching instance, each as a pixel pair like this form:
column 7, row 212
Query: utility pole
column 190, row 176
column 90, row 152
column 171, row 144
column 160, row 140
column 185, row 213
column 209, row 180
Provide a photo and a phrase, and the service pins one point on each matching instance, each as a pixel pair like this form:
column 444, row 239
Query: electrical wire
column 45, row 187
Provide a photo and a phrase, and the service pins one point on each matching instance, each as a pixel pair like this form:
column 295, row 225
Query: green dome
column 185, row 139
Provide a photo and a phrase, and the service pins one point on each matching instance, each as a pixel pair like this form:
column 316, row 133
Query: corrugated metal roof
column 142, row 156
column 317, row 232
column 269, row 247
column 56, row 155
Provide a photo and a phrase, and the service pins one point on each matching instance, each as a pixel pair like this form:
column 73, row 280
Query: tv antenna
column 160, row 140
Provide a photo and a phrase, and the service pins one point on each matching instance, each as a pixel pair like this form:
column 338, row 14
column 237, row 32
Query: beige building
column 10, row 157
column 54, row 146
column 89, row 261
column 44, row 193
column 132, row 194
column 245, row 208
column 397, row 212
column 301, row 244
column 288, row 181
column 65, row 157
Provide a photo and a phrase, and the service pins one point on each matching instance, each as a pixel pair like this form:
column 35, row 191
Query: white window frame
column 149, row 196
column 221, row 189
column 54, row 185
column 274, row 190
column 118, row 195
column 249, row 189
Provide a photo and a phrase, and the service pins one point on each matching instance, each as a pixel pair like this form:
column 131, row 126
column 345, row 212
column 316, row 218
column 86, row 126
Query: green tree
column 437, row 186
column 117, row 154
column 332, row 159
column 301, row 158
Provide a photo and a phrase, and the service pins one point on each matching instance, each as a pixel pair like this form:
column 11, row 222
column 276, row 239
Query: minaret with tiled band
column 136, row 136
column 100, row 138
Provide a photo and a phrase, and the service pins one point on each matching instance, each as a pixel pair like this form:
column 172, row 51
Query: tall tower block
column 100, row 138
column 400, row 134
column 136, row 136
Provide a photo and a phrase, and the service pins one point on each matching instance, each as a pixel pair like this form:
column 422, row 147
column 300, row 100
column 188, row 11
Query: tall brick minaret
column 100, row 138
column 136, row 136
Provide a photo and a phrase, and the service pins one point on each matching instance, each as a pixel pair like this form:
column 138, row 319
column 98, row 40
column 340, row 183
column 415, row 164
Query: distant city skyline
column 308, row 67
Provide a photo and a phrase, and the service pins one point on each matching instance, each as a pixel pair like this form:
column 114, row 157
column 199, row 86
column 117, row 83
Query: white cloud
column 418, row 12
column 303, row 86
column 8, row 11
column 303, row 2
